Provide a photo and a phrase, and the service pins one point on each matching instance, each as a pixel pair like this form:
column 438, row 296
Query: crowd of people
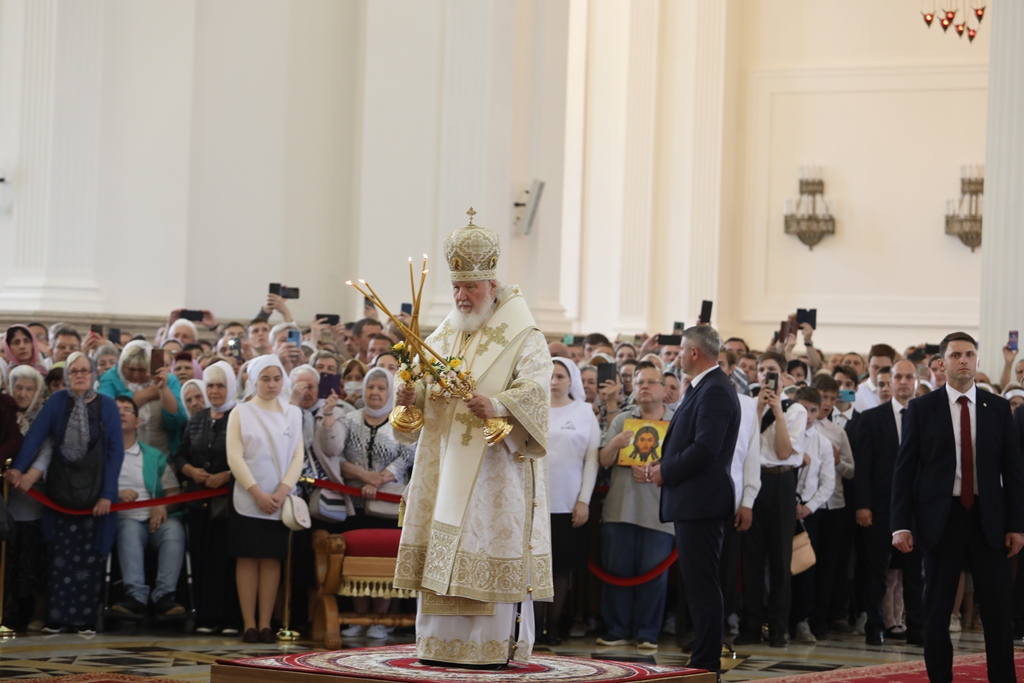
column 104, row 417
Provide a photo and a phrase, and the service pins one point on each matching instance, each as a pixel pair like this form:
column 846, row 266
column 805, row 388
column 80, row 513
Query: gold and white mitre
column 472, row 252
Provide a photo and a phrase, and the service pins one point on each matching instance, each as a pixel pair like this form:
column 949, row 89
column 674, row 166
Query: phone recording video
column 332, row 318
column 328, row 384
column 607, row 372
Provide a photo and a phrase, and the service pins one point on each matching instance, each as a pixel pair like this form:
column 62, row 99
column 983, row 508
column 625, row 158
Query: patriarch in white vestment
column 476, row 536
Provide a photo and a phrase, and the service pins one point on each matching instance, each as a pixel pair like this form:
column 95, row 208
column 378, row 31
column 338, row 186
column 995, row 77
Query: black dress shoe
column 747, row 639
column 892, row 634
column 251, row 635
column 873, row 638
column 777, row 639
column 456, row 665
column 914, row 637
column 267, row 636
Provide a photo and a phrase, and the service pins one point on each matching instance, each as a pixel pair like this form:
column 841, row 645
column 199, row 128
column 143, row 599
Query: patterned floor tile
column 167, row 654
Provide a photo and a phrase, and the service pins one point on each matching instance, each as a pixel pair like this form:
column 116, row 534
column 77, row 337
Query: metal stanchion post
column 5, row 632
column 285, row 634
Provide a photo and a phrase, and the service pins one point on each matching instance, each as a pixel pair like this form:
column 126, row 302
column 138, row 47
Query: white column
column 54, row 174
column 618, row 176
column 463, row 104
column 690, row 205
column 1002, row 250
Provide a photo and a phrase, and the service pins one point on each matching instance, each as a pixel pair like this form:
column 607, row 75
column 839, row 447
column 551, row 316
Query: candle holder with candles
column 446, row 378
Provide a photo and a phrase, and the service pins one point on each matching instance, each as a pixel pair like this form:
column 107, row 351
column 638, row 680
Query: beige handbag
column 803, row 554
column 380, row 508
column 295, row 513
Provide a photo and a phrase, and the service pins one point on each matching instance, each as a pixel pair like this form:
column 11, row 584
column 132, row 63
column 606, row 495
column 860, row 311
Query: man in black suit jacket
column 697, row 489
column 958, row 494
column 878, row 443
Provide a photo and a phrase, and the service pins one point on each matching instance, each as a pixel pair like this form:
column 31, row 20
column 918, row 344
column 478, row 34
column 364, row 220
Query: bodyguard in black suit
column 697, row 490
column 878, row 443
column 958, row 494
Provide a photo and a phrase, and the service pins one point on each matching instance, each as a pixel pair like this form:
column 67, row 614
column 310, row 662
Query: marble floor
column 172, row 655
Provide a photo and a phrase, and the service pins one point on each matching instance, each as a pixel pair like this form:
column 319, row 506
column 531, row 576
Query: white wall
column 891, row 110
column 145, row 155
column 746, row 93
column 244, row 141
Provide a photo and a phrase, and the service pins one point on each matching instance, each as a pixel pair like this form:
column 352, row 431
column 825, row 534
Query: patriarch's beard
column 469, row 323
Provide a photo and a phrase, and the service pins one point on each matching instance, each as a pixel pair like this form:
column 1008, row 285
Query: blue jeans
column 629, row 550
column 133, row 537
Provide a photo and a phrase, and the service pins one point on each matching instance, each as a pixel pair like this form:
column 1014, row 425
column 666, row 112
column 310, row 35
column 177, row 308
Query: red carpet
column 399, row 663
column 966, row 669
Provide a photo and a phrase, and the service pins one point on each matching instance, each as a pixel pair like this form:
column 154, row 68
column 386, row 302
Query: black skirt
column 255, row 537
column 568, row 545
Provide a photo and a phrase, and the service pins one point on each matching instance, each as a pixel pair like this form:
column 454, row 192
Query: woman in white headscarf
column 264, row 449
column 161, row 411
column 25, row 570
column 1015, row 395
column 574, row 438
column 202, row 462
column 193, row 396
column 373, row 457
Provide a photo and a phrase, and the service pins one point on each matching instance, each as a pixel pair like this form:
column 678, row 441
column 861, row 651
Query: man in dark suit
column 878, row 443
column 958, row 494
column 697, row 489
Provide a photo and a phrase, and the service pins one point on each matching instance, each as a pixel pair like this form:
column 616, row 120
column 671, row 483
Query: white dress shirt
column 818, row 479
column 867, row 396
column 796, row 425
column 843, row 417
column 846, row 468
column 746, row 459
column 954, row 412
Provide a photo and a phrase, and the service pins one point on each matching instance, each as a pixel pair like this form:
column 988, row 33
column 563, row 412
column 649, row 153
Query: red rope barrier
column 636, row 580
column 202, row 495
column 118, row 507
column 353, row 491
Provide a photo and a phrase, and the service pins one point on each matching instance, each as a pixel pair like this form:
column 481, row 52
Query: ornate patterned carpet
column 399, row 663
column 966, row 669
column 167, row 653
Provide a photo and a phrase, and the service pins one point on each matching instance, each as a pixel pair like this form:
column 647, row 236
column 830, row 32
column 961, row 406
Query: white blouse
column 574, row 438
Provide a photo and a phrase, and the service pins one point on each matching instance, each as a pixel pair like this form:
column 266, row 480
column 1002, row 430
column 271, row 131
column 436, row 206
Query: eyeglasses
column 80, row 371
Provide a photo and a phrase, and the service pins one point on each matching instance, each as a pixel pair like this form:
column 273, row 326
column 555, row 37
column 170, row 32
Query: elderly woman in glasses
column 88, row 449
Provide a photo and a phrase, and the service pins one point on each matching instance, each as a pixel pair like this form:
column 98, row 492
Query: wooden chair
column 357, row 563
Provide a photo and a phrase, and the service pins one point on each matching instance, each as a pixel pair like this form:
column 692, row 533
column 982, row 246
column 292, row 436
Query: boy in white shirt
column 815, row 484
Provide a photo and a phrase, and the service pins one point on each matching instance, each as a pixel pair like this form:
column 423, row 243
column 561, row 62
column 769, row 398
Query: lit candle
column 412, row 282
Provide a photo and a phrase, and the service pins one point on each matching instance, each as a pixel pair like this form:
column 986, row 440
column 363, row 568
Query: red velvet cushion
column 372, row 542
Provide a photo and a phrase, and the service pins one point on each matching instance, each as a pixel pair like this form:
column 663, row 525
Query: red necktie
column 966, row 455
